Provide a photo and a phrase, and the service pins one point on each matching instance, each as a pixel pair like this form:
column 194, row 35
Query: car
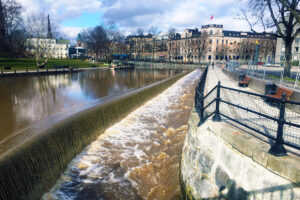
column 260, row 63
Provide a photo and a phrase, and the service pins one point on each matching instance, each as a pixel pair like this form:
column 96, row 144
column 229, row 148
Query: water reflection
column 26, row 100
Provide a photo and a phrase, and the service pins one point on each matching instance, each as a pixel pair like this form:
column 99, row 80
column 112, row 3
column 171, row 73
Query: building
column 79, row 50
column 48, row 47
column 211, row 43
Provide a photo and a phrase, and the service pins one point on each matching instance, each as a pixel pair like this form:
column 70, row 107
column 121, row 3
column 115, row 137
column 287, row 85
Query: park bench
column 280, row 91
column 245, row 81
column 7, row 68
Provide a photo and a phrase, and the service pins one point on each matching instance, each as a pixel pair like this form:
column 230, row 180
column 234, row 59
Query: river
column 28, row 100
column 138, row 157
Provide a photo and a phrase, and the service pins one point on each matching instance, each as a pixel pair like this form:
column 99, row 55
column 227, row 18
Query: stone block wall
column 222, row 162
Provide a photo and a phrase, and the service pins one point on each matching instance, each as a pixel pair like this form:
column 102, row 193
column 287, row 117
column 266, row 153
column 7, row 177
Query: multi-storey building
column 212, row 43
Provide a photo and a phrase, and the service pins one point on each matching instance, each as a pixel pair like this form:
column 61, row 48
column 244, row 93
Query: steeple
column 49, row 34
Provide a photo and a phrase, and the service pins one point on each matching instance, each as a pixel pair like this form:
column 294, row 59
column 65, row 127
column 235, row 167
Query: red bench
column 245, row 82
column 280, row 91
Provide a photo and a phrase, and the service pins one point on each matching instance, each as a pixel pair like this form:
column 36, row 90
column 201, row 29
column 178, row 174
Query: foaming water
column 137, row 158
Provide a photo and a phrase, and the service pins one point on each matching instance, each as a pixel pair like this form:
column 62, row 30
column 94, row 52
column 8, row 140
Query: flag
column 212, row 17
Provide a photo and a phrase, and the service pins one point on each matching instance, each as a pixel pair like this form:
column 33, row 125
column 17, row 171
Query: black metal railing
column 276, row 119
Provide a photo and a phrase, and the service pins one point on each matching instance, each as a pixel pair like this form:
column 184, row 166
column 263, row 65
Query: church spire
column 49, row 34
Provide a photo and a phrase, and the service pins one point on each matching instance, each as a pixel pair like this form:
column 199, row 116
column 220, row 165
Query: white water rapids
column 138, row 157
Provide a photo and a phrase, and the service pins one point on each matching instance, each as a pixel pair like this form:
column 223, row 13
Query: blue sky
column 85, row 20
column 75, row 15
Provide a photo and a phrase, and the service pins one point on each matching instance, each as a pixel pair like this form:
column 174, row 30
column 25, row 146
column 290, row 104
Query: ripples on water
column 29, row 99
column 137, row 158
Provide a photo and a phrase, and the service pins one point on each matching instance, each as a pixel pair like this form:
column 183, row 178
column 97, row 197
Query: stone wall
column 222, row 162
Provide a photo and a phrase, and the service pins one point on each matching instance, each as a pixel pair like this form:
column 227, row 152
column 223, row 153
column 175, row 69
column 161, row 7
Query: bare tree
column 39, row 42
column 114, row 37
column 294, row 10
column 96, row 40
column 171, row 36
column 140, row 32
column 202, row 45
column 12, row 32
column 153, row 30
column 283, row 15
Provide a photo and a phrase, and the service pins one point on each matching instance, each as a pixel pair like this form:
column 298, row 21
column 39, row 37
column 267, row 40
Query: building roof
column 79, row 39
column 247, row 34
column 60, row 41
column 212, row 26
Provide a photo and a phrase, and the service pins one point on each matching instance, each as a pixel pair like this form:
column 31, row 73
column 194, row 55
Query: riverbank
column 23, row 64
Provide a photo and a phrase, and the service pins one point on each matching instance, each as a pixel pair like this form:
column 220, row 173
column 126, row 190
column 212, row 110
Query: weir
column 32, row 167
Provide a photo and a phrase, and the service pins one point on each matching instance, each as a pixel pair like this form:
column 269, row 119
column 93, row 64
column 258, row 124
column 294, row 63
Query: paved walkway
column 291, row 134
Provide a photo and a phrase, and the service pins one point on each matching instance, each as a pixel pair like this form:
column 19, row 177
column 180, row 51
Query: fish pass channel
column 138, row 157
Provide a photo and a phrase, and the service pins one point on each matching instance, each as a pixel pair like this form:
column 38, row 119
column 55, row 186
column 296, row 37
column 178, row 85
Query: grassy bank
column 24, row 63
column 286, row 78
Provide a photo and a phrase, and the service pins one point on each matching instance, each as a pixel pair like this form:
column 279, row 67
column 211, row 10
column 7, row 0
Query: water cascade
column 32, row 167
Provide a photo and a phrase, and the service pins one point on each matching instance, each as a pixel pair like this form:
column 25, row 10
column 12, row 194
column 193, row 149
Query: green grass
column 286, row 78
column 24, row 63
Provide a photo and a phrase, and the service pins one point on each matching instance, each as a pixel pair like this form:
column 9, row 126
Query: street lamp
column 256, row 52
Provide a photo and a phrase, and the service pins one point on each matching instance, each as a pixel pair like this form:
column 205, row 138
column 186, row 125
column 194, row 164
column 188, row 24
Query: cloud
column 71, row 32
column 61, row 9
column 132, row 14
column 180, row 14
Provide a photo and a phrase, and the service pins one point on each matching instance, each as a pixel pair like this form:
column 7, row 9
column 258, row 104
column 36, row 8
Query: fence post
column 278, row 149
column 217, row 117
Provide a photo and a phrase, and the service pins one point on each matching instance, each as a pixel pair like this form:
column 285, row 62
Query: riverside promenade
column 292, row 114
column 222, row 159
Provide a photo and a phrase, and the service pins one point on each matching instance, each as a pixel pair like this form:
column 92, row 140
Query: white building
column 48, row 47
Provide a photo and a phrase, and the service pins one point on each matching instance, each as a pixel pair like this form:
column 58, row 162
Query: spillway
column 136, row 158
column 32, row 164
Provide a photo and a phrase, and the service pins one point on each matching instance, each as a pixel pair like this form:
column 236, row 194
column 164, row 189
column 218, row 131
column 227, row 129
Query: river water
column 25, row 101
column 137, row 158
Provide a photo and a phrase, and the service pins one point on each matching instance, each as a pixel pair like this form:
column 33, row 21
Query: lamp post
column 256, row 52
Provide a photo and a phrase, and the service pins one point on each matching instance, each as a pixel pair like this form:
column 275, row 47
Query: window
column 210, row 41
column 226, row 41
column 296, row 49
column 217, row 41
column 282, row 49
column 222, row 41
column 209, row 57
column 211, row 32
column 297, row 40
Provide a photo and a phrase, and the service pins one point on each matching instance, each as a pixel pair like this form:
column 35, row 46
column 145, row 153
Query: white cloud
column 71, row 32
column 131, row 14
column 61, row 9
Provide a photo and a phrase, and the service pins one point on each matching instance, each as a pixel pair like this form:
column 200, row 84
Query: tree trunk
column 288, row 58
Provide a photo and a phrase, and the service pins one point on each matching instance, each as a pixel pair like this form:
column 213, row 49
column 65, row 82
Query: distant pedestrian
column 213, row 65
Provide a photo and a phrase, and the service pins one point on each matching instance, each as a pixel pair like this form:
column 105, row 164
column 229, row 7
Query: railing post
column 278, row 149
column 217, row 117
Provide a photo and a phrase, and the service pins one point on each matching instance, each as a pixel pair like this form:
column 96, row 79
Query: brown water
column 25, row 101
column 137, row 158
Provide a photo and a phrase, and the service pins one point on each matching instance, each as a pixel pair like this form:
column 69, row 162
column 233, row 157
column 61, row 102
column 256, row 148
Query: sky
column 76, row 15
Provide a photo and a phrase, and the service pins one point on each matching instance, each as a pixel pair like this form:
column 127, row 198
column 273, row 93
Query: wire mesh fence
column 271, row 70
